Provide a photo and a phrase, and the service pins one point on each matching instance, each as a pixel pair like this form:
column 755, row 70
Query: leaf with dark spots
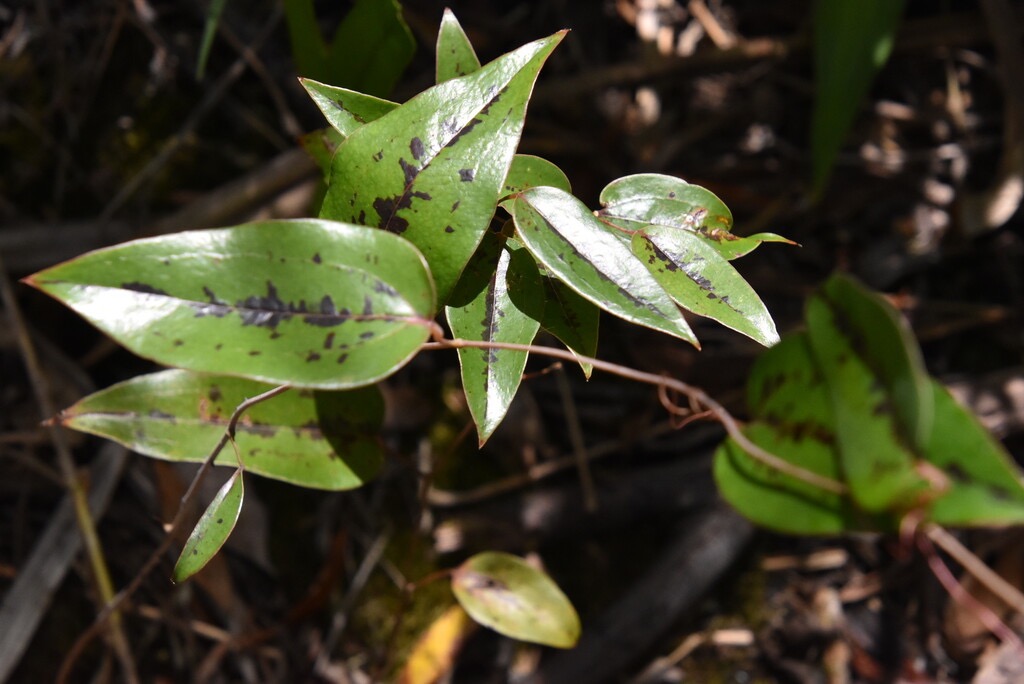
column 510, row 596
column 581, row 251
column 472, row 122
column 466, row 175
column 316, row 258
column 700, row 280
column 637, row 201
column 212, row 530
column 346, row 110
column 329, row 341
column 849, row 328
column 482, row 308
column 792, row 418
column 455, row 54
column 248, row 289
column 449, row 229
column 295, row 434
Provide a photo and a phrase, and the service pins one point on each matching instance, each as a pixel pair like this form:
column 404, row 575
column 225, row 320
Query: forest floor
column 108, row 135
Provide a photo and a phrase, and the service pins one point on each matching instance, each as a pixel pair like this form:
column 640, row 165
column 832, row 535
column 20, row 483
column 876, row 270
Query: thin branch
column 179, row 518
column 731, row 425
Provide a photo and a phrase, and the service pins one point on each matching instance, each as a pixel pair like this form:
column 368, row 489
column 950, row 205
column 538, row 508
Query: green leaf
column 985, row 486
column 852, row 40
column 346, row 110
column 498, row 299
column 513, row 598
column 699, row 279
column 793, row 420
column 637, row 201
column 306, row 303
column 371, row 48
column 309, row 50
column 733, row 246
column 582, row 252
column 368, row 53
column 319, row 439
column 572, row 319
column 455, row 54
column 321, row 146
column 528, row 171
column 873, row 372
column 432, row 169
column 209, row 31
column 212, row 530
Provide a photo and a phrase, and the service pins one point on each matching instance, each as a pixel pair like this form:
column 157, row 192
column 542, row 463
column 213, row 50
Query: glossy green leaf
column 369, row 51
column 346, row 110
column 852, row 40
column 860, row 354
column 701, row 280
column 513, row 598
column 793, row 419
column 985, row 488
column 432, row 169
column 212, row 530
column 455, row 54
column 572, row 319
column 313, row 438
column 733, row 246
column 498, row 299
column 528, row 171
column 637, row 201
column 307, row 303
column 583, row 253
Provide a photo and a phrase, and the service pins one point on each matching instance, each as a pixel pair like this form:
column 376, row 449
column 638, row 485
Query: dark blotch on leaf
column 329, row 341
column 449, row 229
column 317, row 259
column 343, row 358
column 312, row 356
column 416, row 147
column 215, row 394
column 254, row 352
column 466, row 175
column 409, row 171
column 143, row 288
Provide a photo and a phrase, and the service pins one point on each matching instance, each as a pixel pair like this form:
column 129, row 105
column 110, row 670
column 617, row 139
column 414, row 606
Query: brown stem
column 731, row 425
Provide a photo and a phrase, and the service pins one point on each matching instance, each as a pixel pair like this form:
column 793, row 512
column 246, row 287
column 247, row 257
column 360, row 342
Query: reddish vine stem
column 731, row 425
column 179, row 518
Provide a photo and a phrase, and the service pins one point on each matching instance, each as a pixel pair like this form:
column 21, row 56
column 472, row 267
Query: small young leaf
column 432, row 169
column 572, row 319
column 346, row 110
column 209, row 31
column 637, row 201
column 699, row 279
column 513, row 598
column 498, row 299
column 212, row 530
column 528, row 171
column 305, row 303
column 455, row 54
column 584, row 254
column 318, row 439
